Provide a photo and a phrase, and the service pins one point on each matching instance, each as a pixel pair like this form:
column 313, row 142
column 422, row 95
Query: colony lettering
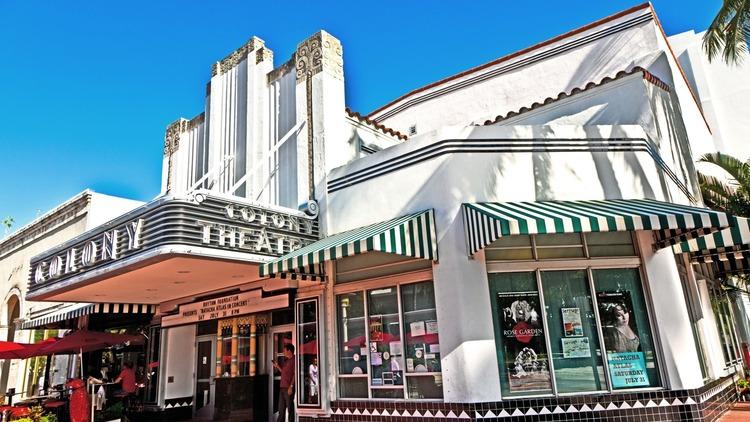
column 258, row 238
column 90, row 253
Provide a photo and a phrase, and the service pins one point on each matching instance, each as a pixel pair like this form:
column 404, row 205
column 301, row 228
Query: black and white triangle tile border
column 516, row 411
column 178, row 402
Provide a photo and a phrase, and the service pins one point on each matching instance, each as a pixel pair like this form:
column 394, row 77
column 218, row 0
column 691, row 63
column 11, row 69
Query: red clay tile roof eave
column 516, row 54
column 647, row 76
column 376, row 125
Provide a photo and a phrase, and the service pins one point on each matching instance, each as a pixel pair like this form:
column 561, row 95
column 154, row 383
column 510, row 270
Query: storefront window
column 573, row 324
column 627, row 334
column 519, row 333
column 352, row 345
column 398, row 347
column 561, row 246
column 422, row 343
column 307, row 354
column 724, row 325
column 386, row 349
column 243, row 350
column 226, row 351
column 574, row 340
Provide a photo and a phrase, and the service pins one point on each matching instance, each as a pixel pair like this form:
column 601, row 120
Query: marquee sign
column 225, row 307
column 211, row 222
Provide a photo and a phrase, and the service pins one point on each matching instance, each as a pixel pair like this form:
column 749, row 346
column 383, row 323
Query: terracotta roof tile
column 647, row 76
column 378, row 126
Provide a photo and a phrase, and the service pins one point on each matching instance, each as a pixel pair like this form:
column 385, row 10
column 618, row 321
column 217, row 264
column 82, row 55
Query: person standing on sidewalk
column 286, row 386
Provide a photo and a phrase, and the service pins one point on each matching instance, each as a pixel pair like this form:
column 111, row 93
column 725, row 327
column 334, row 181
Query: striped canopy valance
column 734, row 238
column 486, row 222
column 79, row 309
column 728, row 250
column 411, row 235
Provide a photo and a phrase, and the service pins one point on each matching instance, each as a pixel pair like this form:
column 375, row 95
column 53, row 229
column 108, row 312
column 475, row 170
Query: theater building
column 523, row 239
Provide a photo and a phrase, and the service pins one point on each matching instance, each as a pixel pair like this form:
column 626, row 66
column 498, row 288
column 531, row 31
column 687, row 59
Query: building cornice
column 49, row 221
column 509, row 57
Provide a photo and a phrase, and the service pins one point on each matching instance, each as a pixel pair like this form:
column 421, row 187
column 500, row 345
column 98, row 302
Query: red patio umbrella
column 86, row 341
column 12, row 350
column 8, row 348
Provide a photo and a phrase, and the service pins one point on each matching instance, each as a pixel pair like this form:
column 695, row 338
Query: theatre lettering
column 107, row 247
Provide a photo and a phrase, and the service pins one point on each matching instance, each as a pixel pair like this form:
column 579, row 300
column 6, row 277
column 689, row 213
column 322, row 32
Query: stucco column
column 467, row 339
column 670, row 313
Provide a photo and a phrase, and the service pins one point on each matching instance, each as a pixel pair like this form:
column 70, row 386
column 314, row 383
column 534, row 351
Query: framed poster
column 571, row 318
column 524, row 348
column 576, row 347
column 626, row 361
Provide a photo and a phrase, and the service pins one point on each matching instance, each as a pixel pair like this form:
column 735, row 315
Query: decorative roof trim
column 647, row 76
column 376, row 125
column 240, row 54
column 78, row 202
column 515, row 54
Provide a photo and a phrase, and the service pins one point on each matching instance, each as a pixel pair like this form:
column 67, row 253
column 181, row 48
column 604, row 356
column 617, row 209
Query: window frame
column 297, row 338
column 364, row 286
column 589, row 264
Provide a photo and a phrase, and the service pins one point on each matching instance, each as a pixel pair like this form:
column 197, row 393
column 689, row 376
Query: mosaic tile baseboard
column 705, row 404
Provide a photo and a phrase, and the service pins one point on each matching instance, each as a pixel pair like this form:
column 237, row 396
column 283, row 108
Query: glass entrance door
column 280, row 336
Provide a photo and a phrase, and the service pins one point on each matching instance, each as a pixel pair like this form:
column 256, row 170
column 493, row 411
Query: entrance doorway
column 279, row 336
column 13, row 307
column 204, row 371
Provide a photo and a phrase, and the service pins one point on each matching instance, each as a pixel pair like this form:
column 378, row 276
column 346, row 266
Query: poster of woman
column 624, row 354
column 523, row 342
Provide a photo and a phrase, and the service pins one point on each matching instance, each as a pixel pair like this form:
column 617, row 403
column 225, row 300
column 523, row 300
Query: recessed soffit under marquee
column 170, row 248
column 728, row 249
column 412, row 235
column 486, row 222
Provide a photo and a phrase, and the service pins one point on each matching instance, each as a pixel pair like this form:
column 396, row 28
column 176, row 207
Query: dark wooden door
column 203, row 374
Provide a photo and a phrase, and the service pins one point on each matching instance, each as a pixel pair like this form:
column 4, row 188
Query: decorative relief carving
column 238, row 55
column 262, row 54
column 321, row 52
column 196, row 121
column 172, row 136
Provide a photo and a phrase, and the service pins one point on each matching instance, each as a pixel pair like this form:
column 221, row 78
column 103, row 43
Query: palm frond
column 737, row 169
column 716, row 194
column 729, row 32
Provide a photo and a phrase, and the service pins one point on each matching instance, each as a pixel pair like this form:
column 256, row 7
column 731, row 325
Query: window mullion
column 367, row 343
column 543, row 309
column 599, row 331
column 402, row 339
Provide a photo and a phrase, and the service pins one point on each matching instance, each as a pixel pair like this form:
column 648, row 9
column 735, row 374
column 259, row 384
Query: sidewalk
column 739, row 412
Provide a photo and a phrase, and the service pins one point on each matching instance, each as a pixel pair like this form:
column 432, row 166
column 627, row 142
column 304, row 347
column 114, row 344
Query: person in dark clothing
column 286, row 393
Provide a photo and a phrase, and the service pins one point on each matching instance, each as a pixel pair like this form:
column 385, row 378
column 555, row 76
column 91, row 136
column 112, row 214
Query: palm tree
column 731, row 196
column 8, row 223
column 729, row 32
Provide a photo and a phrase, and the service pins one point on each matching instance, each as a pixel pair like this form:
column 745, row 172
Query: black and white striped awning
column 80, row 309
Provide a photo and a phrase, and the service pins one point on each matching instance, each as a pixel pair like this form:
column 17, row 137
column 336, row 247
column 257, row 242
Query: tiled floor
column 740, row 412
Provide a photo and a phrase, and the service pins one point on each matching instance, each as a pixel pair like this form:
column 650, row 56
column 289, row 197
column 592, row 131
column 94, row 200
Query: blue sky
column 88, row 87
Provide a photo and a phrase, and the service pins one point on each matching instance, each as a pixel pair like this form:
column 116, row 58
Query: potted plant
column 743, row 386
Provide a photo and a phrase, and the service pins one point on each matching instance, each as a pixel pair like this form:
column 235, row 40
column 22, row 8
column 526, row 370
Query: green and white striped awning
column 486, row 222
column 76, row 310
column 728, row 250
column 411, row 235
column 734, row 238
